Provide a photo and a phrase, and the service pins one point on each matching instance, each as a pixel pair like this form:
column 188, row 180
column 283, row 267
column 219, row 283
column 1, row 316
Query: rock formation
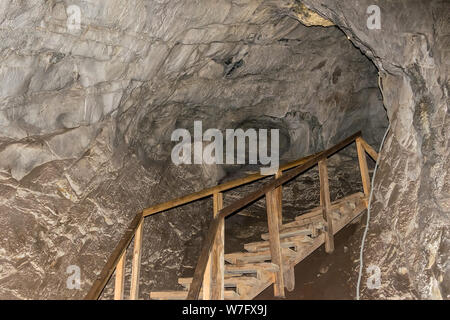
column 88, row 106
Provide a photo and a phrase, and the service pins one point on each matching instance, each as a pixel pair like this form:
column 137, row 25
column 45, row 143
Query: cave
column 92, row 92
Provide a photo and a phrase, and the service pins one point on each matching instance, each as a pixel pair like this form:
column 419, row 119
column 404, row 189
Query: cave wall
column 408, row 237
column 86, row 117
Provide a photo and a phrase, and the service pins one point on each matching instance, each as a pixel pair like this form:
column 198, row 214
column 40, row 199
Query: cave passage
column 109, row 108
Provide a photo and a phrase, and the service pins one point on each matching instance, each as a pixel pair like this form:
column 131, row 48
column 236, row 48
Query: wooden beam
column 136, row 266
column 194, row 289
column 275, row 246
column 325, row 202
column 120, row 277
column 363, row 167
column 218, row 262
column 279, row 194
column 370, row 151
column 100, row 283
column 334, row 205
column 289, row 278
column 182, row 295
column 207, row 280
column 213, row 278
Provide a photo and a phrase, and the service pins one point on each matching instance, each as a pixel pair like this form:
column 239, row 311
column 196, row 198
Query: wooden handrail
column 220, row 188
column 297, row 167
column 195, row 287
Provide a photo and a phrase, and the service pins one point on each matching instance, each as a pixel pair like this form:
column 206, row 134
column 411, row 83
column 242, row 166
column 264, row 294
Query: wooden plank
column 183, row 295
column 218, row 266
column 200, row 268
column 207, row 276
column 213, row 280
column 230, row 282
column 99, row 283
column 370, row 151
column 289, row 278
column 275, row 246
column 136, row 261
column 289, row 242
column 303, row 222
column 363, row 167
column 279, row 193
column 290, row 232
column 325, row 202
column 251, row 268
column 120, row 277
column 252, row 257
column 317, row 242
column 249, row 292
column 317, row 212
column 194, row 290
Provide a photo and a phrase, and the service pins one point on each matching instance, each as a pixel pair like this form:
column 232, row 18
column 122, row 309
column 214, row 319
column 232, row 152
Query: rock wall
column 409, row 234
column 86, row 116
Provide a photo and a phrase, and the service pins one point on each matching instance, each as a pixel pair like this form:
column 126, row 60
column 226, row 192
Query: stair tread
column 182, row 295
column 289, row 232
column 254, row 256
column 303, row 222
column 228, row 281
column 349, row 200
column 250, row 268
column 288, row 242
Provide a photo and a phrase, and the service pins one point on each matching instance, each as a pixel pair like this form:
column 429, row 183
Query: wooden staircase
column 243, row 275
column 247, row 274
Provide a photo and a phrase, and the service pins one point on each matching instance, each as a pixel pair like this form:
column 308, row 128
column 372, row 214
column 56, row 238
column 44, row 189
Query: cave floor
column 323, row 276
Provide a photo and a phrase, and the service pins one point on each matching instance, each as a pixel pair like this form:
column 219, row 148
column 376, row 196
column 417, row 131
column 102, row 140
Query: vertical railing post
column 274, row 239
column 279, row 192
column 288, row 272
column 120, row 277
column 363, row 168
column 325, row 203
column 218, row 267
column 213, row 278
column 136, row 266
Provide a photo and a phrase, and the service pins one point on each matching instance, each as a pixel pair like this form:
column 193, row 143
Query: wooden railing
column 209, row 271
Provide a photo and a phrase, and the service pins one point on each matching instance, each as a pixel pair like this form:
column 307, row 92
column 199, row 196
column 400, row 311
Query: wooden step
column 352, row 200
column 229, row 282
column 249, row 257
column 291, row 232
column 303, row 222
column 250, row 268
column 290, row 242
column 182, row 295
column 346, row 208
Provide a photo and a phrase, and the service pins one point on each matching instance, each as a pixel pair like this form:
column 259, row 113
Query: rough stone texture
column 86, row 118
column 409, row 234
